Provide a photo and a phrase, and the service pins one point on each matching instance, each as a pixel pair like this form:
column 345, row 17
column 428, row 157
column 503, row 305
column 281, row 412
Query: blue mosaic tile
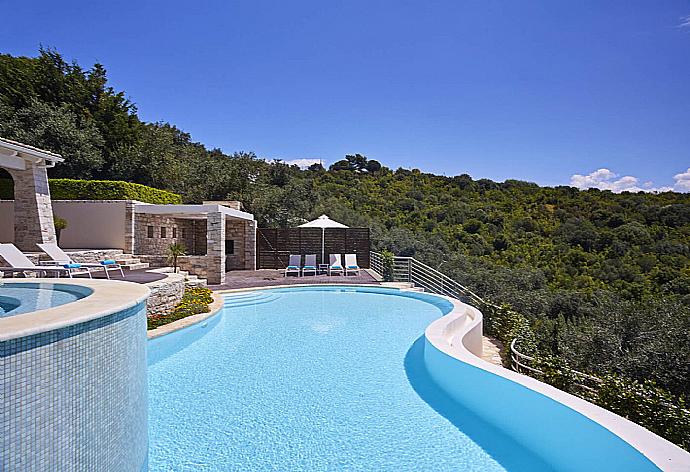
column 75, row 399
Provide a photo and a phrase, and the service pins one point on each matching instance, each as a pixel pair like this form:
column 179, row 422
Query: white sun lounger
column 351, row 264
column 309, row 264
column 20, row 263
column 61, row 257
column 335, row 264
column 294, row 265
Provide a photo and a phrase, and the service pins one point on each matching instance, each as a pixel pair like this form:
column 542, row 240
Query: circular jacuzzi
column 73, row 357
column 17, row 297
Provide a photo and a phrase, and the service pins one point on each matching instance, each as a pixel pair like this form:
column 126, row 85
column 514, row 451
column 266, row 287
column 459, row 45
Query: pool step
column 248, row 299
column 407, row 286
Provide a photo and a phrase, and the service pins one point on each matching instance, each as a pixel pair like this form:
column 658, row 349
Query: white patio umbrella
column 323, row 222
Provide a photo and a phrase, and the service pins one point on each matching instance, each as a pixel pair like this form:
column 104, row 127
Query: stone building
column 32, row 221
column 218, row 236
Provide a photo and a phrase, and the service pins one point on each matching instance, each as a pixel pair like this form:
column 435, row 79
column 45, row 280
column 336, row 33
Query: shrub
column 70, row 189
column 388, row 262
column 647, row 404
column 194, row 301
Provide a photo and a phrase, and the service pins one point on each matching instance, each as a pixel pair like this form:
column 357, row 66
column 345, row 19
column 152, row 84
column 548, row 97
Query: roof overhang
column 191, row 211
column 14, row 156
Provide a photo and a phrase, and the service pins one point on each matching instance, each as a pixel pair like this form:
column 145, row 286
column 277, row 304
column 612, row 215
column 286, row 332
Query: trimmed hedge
column 70, row 189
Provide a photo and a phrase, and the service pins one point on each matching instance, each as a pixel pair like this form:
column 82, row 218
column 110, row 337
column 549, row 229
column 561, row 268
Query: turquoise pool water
column 313, row 379
column 17, row 298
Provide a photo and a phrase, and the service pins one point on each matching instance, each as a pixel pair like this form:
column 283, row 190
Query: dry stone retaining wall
column 165, row 294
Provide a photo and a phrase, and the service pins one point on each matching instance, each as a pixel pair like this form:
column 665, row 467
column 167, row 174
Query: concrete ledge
column 108, row 297
column 214, row 307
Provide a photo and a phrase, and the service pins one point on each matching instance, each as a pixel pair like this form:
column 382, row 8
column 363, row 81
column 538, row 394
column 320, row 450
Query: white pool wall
column 564, row 430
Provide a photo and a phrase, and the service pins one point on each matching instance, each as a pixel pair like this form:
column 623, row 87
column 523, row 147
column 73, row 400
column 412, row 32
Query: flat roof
column 30, row 150
column 191, row 210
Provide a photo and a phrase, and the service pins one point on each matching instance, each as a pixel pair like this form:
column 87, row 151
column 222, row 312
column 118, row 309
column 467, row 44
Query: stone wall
column 165, row 294
column 90, row 257
column 215, row 248
column 243, row 232
column 200, row 266
column 191, row 233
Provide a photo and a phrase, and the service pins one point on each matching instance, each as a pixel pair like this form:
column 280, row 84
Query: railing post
column 409, row 270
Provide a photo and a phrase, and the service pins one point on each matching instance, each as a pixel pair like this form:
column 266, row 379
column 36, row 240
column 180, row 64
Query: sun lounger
column 334, row 264
column 351, row 264
column 61, row 257
column 309, row 264
column 20, row 263
column 294, row 265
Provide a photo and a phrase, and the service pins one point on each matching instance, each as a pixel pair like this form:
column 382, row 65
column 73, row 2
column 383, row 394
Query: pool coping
column 108, row 297
column 454, row 334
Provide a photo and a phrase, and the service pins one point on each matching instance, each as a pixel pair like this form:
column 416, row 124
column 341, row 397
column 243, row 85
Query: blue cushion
column 336, row 267
column 72, row 266
column 292, row 267
column 353, row 267
column 108, row 262
column 309, row 267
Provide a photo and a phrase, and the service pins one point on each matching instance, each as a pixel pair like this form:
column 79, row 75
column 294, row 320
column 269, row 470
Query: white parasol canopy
column 323, row 222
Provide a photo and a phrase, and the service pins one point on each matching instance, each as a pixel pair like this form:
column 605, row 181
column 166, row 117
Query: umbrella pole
column 323, row 245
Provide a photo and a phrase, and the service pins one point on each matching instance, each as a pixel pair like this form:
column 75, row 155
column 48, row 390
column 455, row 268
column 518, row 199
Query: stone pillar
column 250, row 245
column 33, row 212
column 129, row 227
column 215, row 247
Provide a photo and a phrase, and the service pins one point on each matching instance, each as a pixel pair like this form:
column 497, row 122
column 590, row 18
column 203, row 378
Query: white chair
column 61, row 257
column 294, row 265
column 309, row 264
column 20, row 263
column 351, row 264
column 334, row 264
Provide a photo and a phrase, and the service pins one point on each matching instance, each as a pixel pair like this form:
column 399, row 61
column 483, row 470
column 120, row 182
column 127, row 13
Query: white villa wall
column 91, row 224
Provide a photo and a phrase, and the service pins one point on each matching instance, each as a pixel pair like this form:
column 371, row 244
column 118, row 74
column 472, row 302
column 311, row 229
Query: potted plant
column 60, row 224
column 176, row 250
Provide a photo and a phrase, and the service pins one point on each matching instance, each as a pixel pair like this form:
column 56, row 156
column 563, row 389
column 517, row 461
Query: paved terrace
column 269, row 277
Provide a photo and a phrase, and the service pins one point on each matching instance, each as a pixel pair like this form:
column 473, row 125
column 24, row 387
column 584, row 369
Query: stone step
column 400, row 285
column 128, row 260
column 194, row 283
column 135, row 265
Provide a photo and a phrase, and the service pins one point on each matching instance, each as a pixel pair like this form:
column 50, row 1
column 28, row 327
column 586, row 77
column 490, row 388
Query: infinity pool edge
column 457, row 335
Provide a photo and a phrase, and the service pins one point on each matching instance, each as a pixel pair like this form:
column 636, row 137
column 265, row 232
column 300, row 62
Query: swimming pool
column 318, row 378
column 18, row 298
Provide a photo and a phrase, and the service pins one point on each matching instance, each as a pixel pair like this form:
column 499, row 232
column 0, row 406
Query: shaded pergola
column 33, row 211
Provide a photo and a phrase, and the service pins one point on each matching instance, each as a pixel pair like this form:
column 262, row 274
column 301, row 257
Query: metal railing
column 523, row 363
column 376, row 263
column 409, row 269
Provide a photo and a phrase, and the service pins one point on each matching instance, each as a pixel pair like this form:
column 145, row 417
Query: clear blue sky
column 512, row 89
